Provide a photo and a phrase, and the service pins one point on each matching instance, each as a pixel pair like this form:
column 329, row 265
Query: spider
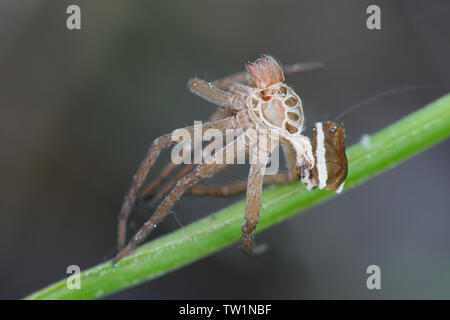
column 254, row 99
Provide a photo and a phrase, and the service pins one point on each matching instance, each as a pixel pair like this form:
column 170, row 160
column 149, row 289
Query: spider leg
column 169, row 185
column 158, row 145
column 202, row 171
column 157, row 181
column 236, row 188
column 240, row 120
column 291, row 159
column 172, row 183
column 210, row 93
column 226, row 82
column 240, row 89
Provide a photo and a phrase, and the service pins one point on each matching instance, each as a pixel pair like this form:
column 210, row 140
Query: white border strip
column 320, row 154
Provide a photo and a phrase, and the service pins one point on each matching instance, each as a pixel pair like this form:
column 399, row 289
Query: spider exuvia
column 252, row 100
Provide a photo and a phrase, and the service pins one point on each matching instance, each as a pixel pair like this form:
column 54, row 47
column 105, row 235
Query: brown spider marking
column 257, row 99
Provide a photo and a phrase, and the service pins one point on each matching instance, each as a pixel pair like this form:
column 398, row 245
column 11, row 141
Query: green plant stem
column 385, row 149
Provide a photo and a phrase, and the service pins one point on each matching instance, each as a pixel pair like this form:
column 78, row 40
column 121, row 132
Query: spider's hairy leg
column 170, row 184
column 158, row 180
column 291, row 160
column 253, row 205
column 240, row 187
column 210, row 93
column 158, row 145
column 170, row 167
column 236, row 188
column 226, row 82
column 240, row 120
column 201, row 172
column 240, row 89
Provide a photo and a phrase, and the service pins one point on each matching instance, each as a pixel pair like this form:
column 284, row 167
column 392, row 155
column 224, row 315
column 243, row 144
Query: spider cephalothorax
column 254, row 100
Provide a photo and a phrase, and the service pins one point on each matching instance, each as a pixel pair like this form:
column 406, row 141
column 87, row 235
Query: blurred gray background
column 78, row 110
